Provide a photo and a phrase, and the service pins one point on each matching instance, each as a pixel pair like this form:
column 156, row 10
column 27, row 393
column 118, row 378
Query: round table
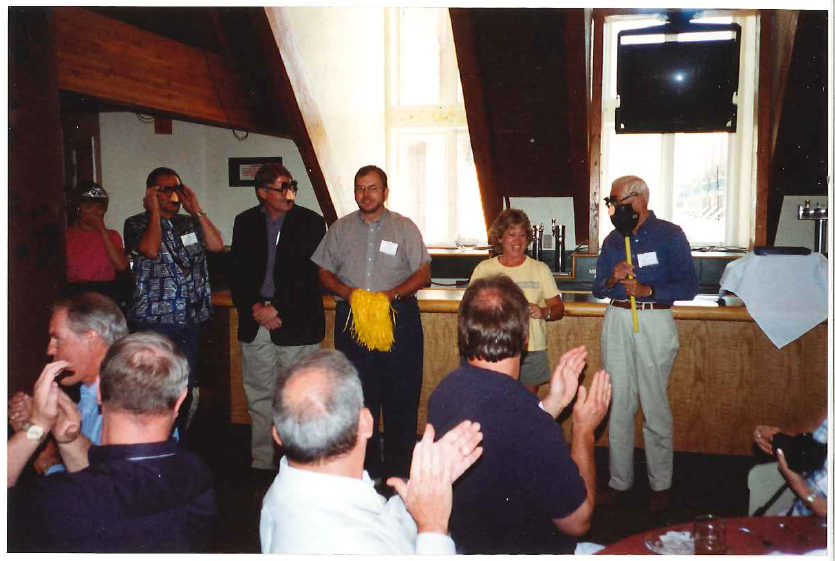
column 786, row 534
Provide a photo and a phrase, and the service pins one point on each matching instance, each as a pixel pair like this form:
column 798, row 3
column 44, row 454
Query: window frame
column 761, row 117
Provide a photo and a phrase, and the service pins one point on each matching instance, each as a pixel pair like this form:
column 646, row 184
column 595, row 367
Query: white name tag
column 189, row 239
column 389, row 248
column 646, row 259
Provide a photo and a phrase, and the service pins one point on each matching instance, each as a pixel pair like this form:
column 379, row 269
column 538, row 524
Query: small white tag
column 647, row 259
column 189, row 239
column 389, row 248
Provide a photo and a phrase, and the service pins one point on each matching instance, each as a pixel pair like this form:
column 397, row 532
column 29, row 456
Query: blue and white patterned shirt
column 174, row 287
column 817, row 479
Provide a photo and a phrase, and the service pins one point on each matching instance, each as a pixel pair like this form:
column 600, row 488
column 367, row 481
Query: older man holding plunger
column 644, row 266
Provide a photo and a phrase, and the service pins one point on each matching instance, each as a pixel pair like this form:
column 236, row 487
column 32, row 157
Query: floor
column 703, row 484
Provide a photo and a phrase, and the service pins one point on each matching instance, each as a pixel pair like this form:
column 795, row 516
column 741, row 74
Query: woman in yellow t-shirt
column 510, row 235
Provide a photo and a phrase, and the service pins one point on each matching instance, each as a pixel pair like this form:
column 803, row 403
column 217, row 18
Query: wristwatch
column 396, row 296
column 810, row 498
column 34, row 432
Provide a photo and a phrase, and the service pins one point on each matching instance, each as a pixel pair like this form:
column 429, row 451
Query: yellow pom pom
column 372, row 326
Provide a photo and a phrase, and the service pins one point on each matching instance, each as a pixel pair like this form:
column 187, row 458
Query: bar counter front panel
column 727, row 378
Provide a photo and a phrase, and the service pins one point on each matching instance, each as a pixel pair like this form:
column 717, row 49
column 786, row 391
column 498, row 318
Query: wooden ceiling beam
column 119, row 63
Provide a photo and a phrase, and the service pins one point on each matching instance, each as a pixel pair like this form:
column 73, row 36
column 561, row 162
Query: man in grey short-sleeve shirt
column 380, row 251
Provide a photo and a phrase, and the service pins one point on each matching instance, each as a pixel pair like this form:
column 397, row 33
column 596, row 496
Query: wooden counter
column 727, row 378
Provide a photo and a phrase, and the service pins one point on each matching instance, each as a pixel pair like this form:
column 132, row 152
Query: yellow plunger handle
column 631, row 298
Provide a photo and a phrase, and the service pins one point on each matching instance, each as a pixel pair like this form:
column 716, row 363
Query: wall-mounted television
column 678, row 78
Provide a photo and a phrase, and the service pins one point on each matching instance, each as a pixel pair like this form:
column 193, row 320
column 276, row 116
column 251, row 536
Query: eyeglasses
column 370, row 189
column 170, row 189
column 610, row 202
column 285, row 185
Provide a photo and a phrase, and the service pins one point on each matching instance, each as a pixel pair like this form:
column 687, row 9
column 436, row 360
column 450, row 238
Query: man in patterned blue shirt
column 172, row 294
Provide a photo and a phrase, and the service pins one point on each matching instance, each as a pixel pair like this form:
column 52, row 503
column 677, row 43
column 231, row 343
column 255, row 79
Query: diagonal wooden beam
column 313, row 152
column 465, row 34
column 785, row 27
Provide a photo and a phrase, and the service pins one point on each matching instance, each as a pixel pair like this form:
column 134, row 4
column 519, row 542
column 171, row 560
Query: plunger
column 631, row 298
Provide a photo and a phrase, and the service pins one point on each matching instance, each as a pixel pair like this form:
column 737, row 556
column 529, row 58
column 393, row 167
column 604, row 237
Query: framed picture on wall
column 242, row 170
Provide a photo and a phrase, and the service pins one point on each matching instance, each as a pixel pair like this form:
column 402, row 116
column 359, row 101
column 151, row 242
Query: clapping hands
column 435, row 465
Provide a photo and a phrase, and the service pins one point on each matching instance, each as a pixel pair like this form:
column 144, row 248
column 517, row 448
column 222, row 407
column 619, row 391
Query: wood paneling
column 36, row 211
column 119, row 63
column 763, row 128
column 521, row 70
column 727, row 378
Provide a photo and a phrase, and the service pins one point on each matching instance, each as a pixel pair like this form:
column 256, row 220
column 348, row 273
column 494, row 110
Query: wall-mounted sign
column 242, row 170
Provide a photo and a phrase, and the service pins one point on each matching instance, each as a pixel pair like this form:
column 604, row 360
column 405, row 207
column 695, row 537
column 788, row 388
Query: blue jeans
column 391, row 381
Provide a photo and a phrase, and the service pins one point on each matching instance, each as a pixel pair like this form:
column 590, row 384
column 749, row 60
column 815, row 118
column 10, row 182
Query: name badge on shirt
column 189, row 239
column 389, row 248
column 647, row 259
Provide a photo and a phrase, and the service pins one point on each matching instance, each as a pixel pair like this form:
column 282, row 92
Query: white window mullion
column 662, row 199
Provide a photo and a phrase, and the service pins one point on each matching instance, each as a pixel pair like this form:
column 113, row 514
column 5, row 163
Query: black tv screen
column 677, row 86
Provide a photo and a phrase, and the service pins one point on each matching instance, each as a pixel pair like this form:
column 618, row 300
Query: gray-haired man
column 322, row 501
column 81, row 330
column 137, row 492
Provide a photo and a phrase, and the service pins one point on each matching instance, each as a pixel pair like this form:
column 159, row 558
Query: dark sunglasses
column 285, row 185
column 610, row 202
column 170, row 189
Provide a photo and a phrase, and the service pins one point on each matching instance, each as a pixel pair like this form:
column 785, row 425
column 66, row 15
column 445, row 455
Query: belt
column 641, row 305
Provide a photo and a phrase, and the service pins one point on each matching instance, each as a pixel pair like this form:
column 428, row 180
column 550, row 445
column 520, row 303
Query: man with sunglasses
column 275, row 288
column 171, row 293
column 639, row 363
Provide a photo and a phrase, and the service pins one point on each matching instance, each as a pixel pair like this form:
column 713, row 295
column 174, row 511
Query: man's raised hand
column 592, row 405
column 45, row 395
column 565, row 380
column 68, row 424
column 460, row 445
column 428, row 493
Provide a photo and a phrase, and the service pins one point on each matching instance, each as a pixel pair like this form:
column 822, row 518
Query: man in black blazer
column 275, row 288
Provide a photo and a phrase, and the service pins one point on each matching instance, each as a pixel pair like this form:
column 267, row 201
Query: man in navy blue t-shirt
column 530, row 492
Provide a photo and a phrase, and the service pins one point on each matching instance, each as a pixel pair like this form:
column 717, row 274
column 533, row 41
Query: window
column 430, row 161
column 704, row 182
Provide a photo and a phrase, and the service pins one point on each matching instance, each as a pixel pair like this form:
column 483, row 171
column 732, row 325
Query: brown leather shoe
column 659, row 501
column 607, row 496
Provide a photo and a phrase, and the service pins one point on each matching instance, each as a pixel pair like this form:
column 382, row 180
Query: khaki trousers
column 639, row 365
column 260, row 363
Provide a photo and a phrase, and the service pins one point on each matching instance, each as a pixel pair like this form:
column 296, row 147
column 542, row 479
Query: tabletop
column 786, row 534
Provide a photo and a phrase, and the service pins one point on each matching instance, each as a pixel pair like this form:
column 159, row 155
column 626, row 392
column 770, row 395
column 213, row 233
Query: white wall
column 130, row 150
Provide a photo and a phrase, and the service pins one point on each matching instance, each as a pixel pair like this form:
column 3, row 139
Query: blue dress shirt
column 670, row 271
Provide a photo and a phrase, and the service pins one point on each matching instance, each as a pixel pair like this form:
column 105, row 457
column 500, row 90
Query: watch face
column 34, row 432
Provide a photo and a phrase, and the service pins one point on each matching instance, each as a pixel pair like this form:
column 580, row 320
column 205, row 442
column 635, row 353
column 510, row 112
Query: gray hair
column 143, row 373
column 91, row 311
column 324, row 424
column 633, row 183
